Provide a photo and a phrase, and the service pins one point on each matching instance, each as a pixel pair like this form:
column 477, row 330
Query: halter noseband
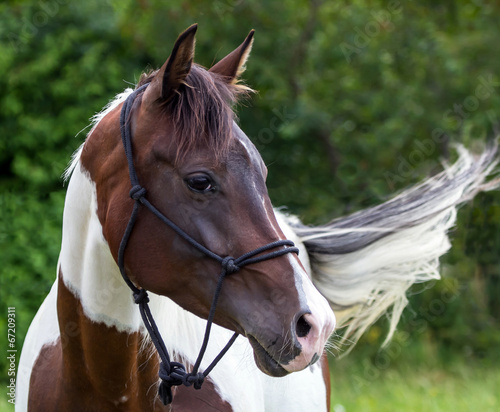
column 174, row 373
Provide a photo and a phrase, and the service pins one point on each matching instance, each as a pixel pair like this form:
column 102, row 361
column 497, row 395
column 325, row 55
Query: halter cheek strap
column 174, row 373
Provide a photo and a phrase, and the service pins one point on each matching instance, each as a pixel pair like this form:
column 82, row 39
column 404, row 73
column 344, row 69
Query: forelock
column 202, row 112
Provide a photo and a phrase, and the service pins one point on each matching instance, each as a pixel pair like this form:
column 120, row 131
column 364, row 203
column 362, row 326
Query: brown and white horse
column 87, row 349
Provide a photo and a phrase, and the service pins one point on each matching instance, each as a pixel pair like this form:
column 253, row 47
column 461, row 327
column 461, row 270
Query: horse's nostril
column 303, row 327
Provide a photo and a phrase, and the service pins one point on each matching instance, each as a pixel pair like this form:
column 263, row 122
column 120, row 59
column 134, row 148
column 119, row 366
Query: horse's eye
column 200, row 184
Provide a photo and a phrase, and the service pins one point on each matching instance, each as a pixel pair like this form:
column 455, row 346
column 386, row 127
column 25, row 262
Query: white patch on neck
column 87, row 266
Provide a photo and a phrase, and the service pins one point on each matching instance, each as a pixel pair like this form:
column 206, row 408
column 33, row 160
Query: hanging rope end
column 165, row 393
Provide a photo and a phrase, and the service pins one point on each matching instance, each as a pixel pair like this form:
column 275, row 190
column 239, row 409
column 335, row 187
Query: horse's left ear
column 233, row 64
column 175, row 70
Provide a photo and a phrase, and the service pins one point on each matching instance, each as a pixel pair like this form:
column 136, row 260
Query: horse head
column 199, row 169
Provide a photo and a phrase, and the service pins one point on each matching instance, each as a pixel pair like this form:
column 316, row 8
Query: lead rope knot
column 141, row 296
column 137, row 192
column 229, row 265
column 196, row 380
column 174, row 374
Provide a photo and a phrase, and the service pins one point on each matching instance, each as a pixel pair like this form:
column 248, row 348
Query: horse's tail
column 364, row 263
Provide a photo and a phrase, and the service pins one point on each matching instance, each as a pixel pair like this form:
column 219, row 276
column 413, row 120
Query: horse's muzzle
column 303, row 347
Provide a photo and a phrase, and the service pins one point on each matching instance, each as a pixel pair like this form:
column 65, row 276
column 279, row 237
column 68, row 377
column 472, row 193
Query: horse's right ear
column 175, row 70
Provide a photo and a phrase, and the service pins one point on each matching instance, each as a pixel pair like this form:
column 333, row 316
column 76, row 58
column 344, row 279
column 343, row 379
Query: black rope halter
column 174, row 373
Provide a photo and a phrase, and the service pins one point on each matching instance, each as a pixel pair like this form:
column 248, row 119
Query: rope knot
column 174, row 374
column 137, row 192
column 195, row 380
column 141, row 296
column 229, row 265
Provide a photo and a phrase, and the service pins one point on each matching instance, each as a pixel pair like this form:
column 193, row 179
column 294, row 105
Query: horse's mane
column 202, row 111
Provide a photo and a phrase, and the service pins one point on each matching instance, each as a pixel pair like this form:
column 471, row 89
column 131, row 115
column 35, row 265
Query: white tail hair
column 364, row 263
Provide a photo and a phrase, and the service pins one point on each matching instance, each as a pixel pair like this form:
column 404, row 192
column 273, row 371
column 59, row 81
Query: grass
column 457, row 387
column 4, row 405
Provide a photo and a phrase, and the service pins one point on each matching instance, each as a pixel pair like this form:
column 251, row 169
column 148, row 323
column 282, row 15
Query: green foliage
column 356, row 100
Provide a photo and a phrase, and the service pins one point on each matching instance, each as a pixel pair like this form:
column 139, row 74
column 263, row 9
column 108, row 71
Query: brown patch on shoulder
column 92, row 367
column 206, row 399
column 46, row 374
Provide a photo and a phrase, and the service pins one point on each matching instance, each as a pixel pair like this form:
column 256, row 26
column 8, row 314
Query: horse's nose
column 310, row 334
column 302, row 326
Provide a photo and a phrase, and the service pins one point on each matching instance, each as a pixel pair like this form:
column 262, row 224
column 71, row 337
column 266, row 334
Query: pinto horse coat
column 87, row 348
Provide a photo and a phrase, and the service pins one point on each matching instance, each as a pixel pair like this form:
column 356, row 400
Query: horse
column 162, row 194
column 189, row 166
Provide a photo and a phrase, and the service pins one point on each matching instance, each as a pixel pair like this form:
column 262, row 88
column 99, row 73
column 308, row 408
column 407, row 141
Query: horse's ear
column 233, row 64
column 175, row 70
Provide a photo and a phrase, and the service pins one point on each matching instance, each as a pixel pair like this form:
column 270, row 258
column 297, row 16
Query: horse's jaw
column 264, row 360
